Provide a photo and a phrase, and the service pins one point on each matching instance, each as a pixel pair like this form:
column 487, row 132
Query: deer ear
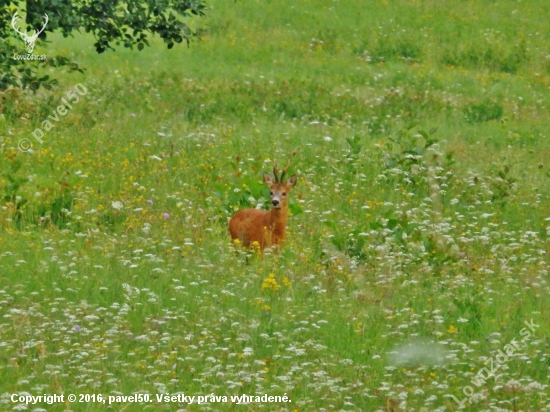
column 292, row 181
column 268, row 180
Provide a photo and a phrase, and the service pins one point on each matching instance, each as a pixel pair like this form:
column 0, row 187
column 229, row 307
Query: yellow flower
column 452, row 329
column 271, row 283
column 255, row 246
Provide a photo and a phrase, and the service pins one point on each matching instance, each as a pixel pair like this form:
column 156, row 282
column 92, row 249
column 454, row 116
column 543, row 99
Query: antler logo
column 29, row 40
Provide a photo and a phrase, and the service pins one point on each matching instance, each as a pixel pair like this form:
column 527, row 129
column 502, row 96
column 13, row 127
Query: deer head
column 29, row 40
column 278, row 187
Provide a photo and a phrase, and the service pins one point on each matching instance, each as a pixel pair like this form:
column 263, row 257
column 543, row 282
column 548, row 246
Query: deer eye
column 271, row 193
column 284, row 193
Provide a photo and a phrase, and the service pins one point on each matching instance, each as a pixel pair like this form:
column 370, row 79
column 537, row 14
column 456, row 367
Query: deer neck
column 278, row 219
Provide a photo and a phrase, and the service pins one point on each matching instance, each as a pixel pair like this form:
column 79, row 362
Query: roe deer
column 267, row 227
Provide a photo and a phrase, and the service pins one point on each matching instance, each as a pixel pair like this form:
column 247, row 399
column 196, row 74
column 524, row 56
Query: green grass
column 418, row 244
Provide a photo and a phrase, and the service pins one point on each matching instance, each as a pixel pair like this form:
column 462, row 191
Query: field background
column 420, row 230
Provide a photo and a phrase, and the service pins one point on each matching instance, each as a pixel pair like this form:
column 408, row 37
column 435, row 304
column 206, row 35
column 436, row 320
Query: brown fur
column 267, row 227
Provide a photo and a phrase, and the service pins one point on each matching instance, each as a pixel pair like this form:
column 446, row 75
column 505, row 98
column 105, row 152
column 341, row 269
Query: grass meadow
column 418, row 242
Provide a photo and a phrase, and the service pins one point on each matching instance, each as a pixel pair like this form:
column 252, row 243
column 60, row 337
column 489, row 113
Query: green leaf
column 411, row 125
column 330, row 224
column 295, row 209
column 10, row 177
column 392, row 223
column 423, row 134
column 430, row 142
column 375, row 225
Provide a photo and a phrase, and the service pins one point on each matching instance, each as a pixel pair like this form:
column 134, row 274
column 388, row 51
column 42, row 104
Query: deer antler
column 284, row 171
column 275, row 172
column 14, row 18
column 43, row 27
column 24, row 34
